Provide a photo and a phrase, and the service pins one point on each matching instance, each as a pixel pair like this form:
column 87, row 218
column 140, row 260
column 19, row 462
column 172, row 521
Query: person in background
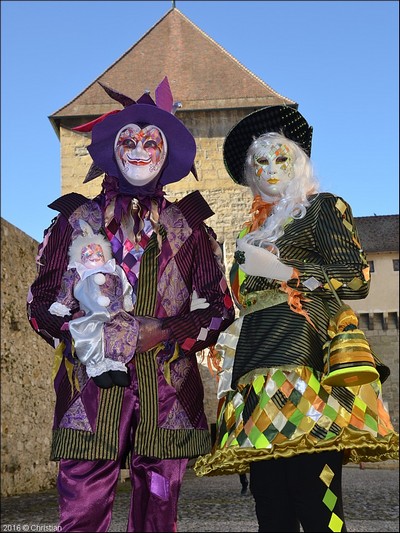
column 180, row 300
column 245, row 484
column 276, row 417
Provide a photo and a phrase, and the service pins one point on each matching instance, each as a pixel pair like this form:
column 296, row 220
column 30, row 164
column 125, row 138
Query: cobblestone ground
column 214, row 504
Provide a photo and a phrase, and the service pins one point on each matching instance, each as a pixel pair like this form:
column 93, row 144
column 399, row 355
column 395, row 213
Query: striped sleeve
column 338, row 249
column 44, row 290
column 196, row 330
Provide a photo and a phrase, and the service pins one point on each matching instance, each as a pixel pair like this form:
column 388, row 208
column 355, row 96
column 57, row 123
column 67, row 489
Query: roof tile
column 202, row 74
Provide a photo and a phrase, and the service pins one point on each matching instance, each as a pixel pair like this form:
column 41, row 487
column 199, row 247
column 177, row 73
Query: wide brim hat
column 181, row 144
column 280, row 119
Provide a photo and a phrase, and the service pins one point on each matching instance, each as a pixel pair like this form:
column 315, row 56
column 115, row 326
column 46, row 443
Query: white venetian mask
column 140, row 153
column 274, row 168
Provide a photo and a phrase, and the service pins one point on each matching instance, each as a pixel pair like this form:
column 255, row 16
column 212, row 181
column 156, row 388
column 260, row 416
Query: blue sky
column 337, row 59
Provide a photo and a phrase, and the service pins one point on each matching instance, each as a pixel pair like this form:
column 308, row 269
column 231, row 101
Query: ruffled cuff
column 58, row 309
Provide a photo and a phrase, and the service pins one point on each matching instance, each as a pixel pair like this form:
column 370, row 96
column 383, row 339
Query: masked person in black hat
column 180, row 301
column 277, row 418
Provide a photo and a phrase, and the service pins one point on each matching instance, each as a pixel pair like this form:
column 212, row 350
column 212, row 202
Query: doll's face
column 92, row 256
column 140, row 153
column 274, row 169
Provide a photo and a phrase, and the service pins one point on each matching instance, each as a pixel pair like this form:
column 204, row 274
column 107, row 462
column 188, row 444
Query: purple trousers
column 87, row 488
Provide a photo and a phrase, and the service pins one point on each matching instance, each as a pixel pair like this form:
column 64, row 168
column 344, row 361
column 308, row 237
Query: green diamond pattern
column 330, row 499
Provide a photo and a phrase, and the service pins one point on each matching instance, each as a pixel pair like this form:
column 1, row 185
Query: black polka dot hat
column 281, row 119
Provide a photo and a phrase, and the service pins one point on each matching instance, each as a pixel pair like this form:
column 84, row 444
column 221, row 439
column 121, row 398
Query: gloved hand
column 198, row 303
column 260, row 262
column 150, row 333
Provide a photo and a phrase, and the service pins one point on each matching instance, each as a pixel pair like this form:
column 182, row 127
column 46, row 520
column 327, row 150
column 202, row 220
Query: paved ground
column 214, row 504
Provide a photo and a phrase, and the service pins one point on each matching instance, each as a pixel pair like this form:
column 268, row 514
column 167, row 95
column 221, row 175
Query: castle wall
column 26, row 360
column 27, row 397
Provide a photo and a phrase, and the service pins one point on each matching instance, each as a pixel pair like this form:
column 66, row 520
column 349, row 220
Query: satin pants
column 87, row 488
column 305, row 489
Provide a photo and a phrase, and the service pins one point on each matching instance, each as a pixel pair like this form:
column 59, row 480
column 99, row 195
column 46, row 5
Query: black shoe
column 104, row 381
column 120, row 378
column 243, row 492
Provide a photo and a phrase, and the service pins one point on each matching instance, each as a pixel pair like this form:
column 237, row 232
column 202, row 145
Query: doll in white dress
column 97, row 288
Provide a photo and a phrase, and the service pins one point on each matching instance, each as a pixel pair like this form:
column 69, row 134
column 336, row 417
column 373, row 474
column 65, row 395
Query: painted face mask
column 140, row 153
column 92, row 256
column 274, row 168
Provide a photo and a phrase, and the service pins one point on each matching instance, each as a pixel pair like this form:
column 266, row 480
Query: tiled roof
column 201, row 73
column 379, row 233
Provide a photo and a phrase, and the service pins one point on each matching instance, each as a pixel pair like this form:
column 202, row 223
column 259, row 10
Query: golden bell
column 348, row 360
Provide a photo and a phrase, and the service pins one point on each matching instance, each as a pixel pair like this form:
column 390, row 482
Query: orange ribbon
column 214, row 362
column 260, row 210
column 295, row 298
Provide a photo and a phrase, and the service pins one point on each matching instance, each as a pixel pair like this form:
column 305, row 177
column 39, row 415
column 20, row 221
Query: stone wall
column 26, row 360
column 27, row 397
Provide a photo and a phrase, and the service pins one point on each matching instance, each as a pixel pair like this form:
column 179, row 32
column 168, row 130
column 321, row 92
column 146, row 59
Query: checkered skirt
column 281, row 412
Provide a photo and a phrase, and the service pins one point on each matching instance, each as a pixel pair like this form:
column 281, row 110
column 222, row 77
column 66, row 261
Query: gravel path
column 214, row 504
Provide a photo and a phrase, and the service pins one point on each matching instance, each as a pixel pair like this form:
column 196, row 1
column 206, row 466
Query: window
column 371, row 266
column 396, row 265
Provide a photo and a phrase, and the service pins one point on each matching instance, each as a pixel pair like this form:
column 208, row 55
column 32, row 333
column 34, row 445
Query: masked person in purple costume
column 181, row 302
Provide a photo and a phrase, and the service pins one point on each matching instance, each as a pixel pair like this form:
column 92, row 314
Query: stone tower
column 215, row 91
